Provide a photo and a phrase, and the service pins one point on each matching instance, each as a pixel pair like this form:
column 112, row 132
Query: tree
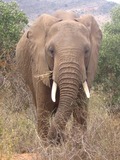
column 109, row 64
column 12, row 22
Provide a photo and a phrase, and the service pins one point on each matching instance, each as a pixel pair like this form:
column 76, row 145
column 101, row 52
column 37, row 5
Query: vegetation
column 12, row 22
column 109, row 65
column 18, row 133
column 17, row 121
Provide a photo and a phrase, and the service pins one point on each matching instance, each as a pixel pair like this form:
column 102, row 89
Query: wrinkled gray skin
column 67, row 45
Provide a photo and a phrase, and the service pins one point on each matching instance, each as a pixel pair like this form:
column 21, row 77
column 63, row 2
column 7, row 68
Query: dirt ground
column 24, row 156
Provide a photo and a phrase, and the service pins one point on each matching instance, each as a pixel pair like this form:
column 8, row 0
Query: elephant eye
column 86, row 50
column 51, row 51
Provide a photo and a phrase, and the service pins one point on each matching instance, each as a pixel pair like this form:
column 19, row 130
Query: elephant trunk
column 68, row 83
column 71, row 73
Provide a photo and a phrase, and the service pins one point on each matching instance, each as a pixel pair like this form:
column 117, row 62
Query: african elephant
column 58, row 58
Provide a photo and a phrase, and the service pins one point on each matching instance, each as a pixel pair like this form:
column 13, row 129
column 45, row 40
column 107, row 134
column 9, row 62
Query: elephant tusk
column 53, row 92
column 86, row 89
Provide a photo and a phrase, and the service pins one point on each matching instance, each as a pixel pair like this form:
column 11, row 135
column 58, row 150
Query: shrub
column 109, row 64
column 12, row 22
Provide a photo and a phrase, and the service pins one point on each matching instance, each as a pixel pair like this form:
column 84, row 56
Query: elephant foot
column 55, row 136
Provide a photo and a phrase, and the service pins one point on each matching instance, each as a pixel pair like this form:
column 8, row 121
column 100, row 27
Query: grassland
column 18, row 129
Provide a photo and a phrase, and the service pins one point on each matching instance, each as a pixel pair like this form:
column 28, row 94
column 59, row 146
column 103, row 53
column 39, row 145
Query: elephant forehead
column 68, row 26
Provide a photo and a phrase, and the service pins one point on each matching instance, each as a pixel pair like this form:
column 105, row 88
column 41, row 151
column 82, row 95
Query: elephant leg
column 45, row 107
column 42, row 121
column 80, row 116
column 80, row 111
column 56, row 132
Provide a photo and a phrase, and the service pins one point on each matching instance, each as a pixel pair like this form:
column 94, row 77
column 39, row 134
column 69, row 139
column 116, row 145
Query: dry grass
column 18, row 133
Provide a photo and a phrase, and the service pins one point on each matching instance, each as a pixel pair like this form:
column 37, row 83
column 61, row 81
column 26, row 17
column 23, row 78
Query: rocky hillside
column 34, row 8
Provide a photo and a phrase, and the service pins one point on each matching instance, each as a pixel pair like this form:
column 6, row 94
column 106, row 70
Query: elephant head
column 68, row 47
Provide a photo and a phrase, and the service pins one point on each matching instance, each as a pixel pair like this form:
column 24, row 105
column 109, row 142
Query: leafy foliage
column 12, row 21
column 109, row 65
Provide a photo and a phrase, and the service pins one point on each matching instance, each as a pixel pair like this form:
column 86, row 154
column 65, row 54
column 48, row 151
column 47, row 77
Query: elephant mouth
column 54, row 90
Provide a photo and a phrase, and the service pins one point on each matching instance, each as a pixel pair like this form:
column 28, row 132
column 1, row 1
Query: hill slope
column 34, row 8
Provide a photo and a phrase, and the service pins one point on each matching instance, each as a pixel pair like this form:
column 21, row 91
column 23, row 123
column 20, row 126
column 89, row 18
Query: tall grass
column 18, row 129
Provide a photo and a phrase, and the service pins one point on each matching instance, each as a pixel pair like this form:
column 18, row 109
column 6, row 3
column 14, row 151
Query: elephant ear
column 95, row 39
column 36, row 36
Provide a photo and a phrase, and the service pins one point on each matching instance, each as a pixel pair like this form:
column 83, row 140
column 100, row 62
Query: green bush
column 109, row 64
column 12, row 22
